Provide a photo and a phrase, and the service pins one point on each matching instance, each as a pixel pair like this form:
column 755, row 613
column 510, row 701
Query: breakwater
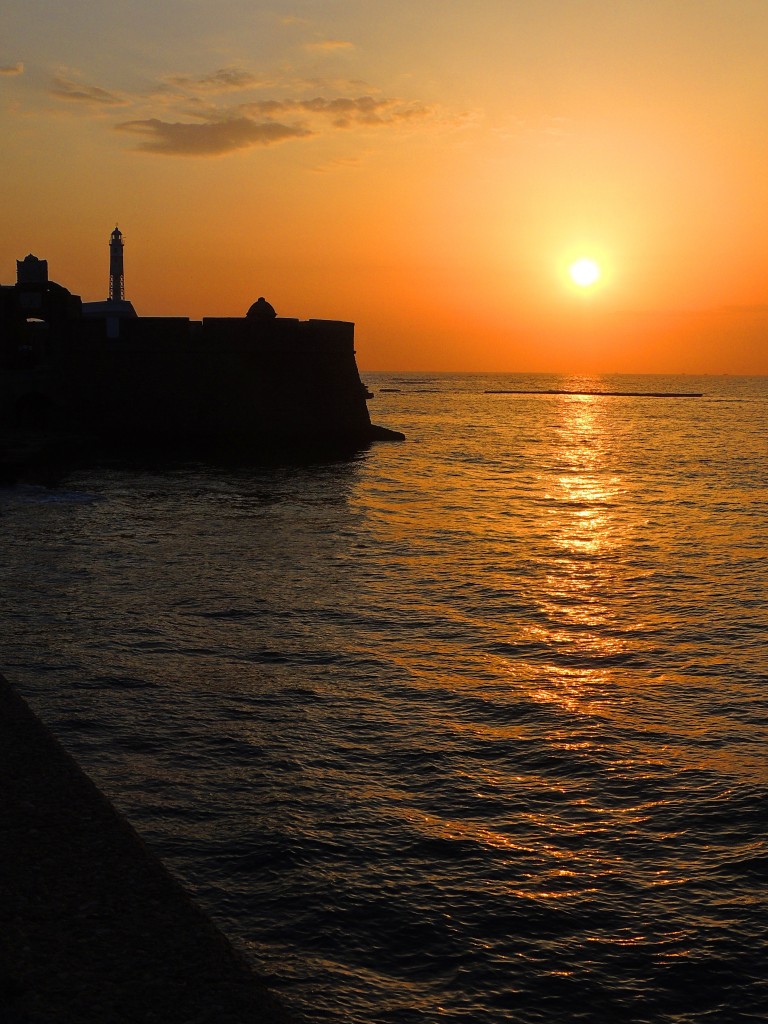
column 601, row 394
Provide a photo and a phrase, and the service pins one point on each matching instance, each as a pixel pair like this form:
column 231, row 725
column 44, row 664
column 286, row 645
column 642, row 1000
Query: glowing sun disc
column 584, row 272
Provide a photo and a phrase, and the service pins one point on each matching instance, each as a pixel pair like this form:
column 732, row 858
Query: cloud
column 328, row 45
column 213, row 138
column 186, row 115
column 341, row 162
column 363, row 110
column 12, row 69
column 254, row 124
column 66, row 89
column 223, row 80
column 344, row 111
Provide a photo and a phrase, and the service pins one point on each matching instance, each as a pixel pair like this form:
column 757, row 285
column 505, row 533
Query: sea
column 469, row 728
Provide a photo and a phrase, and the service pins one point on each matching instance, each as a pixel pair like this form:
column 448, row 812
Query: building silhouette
column 97, row 368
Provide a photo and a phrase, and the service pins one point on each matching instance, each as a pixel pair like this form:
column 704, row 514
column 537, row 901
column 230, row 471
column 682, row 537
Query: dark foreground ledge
column 92, row 926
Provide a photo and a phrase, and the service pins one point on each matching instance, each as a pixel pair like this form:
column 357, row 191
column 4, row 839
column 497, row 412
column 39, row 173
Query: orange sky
column 426, row 170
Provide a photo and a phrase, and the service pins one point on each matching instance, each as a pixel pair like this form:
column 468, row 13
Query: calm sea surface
column 472, row 728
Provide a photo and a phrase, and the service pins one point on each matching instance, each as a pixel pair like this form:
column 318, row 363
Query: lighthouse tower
column 115, row 309
column 116, row 278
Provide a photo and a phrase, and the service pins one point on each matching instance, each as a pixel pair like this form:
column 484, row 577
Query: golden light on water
column 583, row 493
column 580, row 502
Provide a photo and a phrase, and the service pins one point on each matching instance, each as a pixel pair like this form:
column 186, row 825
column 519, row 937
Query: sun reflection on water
column 581, row 493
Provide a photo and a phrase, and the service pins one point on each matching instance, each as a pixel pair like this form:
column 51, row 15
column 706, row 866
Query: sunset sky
column 427, row 168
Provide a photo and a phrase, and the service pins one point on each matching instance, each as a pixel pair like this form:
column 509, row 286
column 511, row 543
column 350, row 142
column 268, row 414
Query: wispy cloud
column 344, row 111
column 79, row 92
column 12, row 69
column 209, row 139
column 197, row 115
column 224, row 80
column 328, row 45
column 341, row 162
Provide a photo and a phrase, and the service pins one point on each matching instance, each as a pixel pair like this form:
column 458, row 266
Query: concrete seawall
column 92, row 926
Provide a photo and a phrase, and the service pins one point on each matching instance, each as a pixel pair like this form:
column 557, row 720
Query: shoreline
column 93, row 927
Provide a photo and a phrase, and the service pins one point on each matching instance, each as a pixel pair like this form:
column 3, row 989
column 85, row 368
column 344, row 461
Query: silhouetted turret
column 31, row 270
column 261, row 310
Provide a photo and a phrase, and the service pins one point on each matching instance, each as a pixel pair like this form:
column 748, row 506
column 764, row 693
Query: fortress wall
column 151, row 331
column 286, row 380
column 279, row 379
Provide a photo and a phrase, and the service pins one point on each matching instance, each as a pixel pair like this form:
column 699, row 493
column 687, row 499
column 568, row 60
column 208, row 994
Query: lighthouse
column 116, row 278
column 115, row 309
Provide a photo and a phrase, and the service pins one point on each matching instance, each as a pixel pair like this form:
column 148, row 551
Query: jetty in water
column 99, row 369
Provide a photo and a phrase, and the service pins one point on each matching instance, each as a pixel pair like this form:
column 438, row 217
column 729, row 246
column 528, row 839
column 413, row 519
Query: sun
column 584, row 272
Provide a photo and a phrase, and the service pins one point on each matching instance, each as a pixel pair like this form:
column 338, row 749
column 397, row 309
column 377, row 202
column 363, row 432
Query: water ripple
column 470, row 729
